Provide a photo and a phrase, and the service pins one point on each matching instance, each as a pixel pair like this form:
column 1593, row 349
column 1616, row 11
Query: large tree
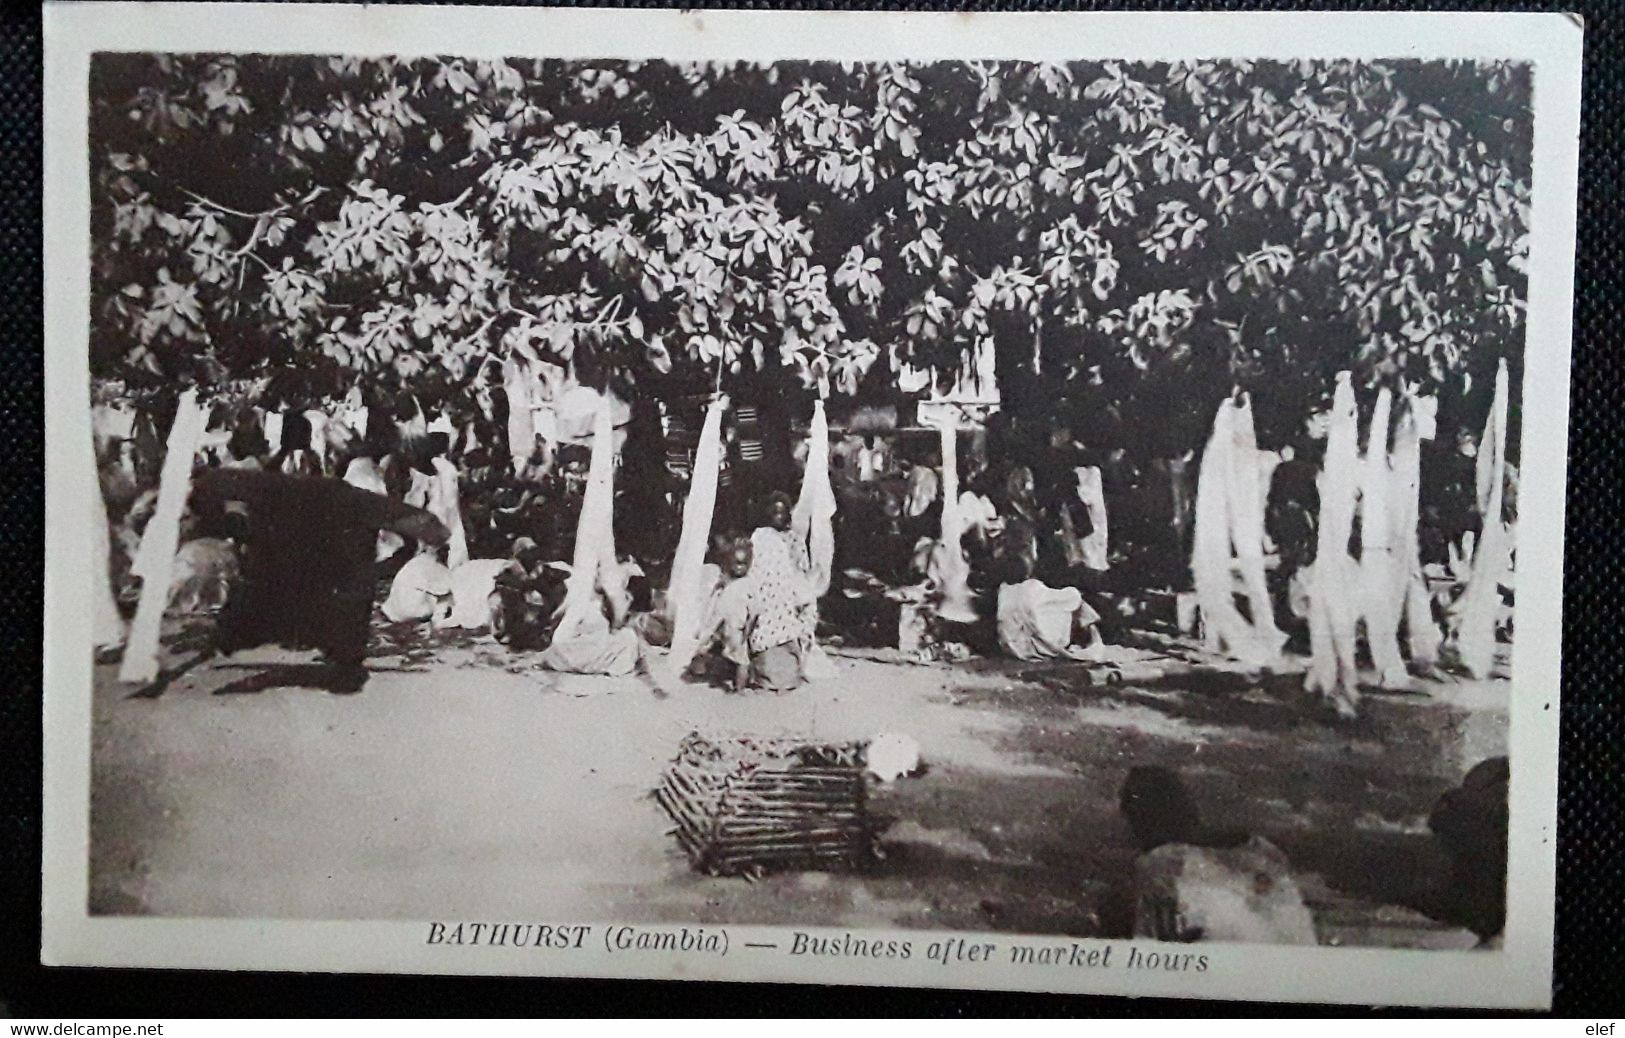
column 1123, row 234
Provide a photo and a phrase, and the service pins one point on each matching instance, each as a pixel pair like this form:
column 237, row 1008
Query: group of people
column 1029, row 517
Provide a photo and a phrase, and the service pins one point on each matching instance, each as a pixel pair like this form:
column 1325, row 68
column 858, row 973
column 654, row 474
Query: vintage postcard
column 1055, row 502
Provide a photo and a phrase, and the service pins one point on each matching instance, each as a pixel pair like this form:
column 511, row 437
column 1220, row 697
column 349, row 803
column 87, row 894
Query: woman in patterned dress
column 769, row 615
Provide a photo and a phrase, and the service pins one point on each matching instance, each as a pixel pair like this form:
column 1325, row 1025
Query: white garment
column 420, row 591
column 352, row 413
column 977, row 515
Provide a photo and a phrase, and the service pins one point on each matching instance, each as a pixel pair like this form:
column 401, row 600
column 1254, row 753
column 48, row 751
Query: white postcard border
column 1518, row 975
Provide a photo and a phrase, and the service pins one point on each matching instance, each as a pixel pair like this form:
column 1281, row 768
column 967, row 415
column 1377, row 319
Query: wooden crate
column 747, row 806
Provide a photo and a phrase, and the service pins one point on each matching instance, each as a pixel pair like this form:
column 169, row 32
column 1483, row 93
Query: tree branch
column 453, row 204
column 313, row 194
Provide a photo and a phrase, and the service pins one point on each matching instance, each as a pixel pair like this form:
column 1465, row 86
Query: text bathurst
column 699, row 940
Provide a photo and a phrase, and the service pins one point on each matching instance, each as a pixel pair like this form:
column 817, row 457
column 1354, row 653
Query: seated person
column 764, row 615
column 421, row 589
column 526, row 598
column 599, row 640
column 1038, row 622
column 1196, row 884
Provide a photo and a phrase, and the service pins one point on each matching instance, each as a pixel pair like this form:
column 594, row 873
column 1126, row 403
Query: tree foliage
column 1120, row 232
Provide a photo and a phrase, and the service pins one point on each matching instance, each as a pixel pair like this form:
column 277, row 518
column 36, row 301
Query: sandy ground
column 459, row 785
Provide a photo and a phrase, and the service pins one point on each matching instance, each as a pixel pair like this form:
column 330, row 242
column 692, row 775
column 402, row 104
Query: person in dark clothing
column 307, row 563
column 1470, row 822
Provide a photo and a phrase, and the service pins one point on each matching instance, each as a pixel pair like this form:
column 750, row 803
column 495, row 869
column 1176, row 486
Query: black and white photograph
column 890, row 513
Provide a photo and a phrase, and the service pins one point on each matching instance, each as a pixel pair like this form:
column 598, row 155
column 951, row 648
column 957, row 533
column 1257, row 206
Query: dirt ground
column 460, row 784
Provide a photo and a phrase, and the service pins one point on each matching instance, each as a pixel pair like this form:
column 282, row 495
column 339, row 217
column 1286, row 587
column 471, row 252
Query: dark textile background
column 1590, row 953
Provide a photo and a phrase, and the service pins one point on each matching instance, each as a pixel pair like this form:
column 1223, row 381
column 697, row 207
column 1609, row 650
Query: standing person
column 307, row 566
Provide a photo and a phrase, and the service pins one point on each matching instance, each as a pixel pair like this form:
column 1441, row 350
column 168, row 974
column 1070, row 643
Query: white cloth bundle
column 446, row 505
column 521, row 417
column 1415, row 425
column 685, row 597
column 1333, row 614
column 1382, row 561
column 954, row 574
column 1092, row 492
column 1248, row 490
column 1480, row 603
column 318, row 436
column 1225, row 500
column 812, row 520
column 156, row 556
column 595, row 530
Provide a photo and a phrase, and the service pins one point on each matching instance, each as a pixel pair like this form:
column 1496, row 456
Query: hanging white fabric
column 318, row 437
column 1213, row 566
column 1245, row 506
column 155, row 559
column 1092, row 492
column 1475, row 634
column 446, row 505
column 953, row 570
column 353, row 412
column 272, row 428
column 812, row 520
column 685, row 598
column 1382, row 564
column 1416, row 423
column 1333, row 615
column 521, row 416
column 595, row 531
